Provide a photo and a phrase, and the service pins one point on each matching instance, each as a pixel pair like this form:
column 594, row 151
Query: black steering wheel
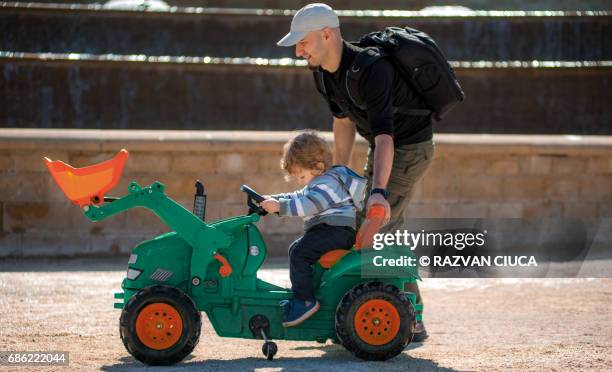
column 253, row 200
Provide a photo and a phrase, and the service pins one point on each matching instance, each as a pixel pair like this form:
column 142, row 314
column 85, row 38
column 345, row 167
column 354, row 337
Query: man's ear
column 326, row 33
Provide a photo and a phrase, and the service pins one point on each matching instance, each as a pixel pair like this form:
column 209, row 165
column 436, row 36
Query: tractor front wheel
column 160, row 325
column 375, row 321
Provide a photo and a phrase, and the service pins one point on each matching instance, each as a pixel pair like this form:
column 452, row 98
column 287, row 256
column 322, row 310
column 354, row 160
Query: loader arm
column 201, row 236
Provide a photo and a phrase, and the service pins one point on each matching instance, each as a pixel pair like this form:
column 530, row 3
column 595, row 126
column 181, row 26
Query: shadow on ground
column 335, row 358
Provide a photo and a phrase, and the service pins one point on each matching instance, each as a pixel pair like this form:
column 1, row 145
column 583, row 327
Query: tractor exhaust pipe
column 199, row 201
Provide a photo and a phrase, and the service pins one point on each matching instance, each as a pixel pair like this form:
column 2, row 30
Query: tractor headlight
column 133, row 258
column 133, row 274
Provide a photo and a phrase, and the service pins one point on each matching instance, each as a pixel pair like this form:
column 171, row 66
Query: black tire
column 269, row 349
column 350, row 304
column 191, row 325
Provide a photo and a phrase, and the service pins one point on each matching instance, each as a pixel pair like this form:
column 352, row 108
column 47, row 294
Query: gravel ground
column 474, row 324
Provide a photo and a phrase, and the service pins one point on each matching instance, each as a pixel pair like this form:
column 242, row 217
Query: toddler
column 327, row 203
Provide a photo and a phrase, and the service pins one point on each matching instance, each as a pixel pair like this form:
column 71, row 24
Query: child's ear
column 321, row 167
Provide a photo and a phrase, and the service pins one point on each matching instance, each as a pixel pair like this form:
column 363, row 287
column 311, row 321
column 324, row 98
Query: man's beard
column 313, row 67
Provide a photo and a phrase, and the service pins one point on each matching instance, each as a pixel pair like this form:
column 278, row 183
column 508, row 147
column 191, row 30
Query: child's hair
column 307, row 150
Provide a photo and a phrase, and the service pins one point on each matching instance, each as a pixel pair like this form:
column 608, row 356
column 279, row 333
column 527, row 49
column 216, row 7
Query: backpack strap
column 362, row 61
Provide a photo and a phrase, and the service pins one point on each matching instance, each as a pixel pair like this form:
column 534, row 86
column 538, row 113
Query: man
column 401, row 145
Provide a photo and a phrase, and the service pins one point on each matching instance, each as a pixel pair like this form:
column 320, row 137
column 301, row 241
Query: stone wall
column 87, row 94
column 560, row 36
column 471, row 176
column 382, row 4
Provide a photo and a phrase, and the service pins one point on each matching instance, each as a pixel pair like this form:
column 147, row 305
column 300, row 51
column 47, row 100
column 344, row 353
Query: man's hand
column 379, row 199
column 271, row 205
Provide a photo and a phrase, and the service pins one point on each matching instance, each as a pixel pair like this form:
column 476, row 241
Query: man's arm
column 383, row 161
column 377, row 89
column 344, row 138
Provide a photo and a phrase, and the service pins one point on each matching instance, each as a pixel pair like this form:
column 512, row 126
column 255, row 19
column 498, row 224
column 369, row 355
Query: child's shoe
column 286, row 306
column 300, row 311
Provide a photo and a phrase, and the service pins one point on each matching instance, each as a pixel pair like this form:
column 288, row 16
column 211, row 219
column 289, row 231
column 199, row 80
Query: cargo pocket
column 409, row 164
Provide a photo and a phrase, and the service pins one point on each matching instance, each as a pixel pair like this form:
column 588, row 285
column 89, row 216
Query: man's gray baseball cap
column 310, row 18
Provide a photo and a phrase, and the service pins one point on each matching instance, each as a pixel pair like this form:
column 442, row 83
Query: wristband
column 383, row 192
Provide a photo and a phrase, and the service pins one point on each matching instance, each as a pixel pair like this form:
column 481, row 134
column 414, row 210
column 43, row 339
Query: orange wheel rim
column 377, row 322
column 159, row 326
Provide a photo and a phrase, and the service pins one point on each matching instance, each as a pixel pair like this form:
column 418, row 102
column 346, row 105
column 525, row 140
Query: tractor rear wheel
column 375, row 321
column 160, row 325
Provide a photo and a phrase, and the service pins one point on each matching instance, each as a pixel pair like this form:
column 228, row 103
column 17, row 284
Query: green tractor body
column 212, row 267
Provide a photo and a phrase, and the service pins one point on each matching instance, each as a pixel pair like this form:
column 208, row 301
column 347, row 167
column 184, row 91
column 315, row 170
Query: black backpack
column 417, row 57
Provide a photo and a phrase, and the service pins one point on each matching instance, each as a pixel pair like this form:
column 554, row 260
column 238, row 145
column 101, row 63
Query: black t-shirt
column 381, row 89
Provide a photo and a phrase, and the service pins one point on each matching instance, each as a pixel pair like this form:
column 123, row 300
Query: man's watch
column 383, row 192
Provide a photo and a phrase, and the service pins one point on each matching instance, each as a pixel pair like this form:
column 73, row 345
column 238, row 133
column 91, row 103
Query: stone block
column 236, row 164
column 468, row 164
column 225, row 188
column 536, row 164
column 503, row 167
column 113, row 225
column 269, row 163
column 6, row 162
column 596, row 188
column 538, row 210
column 182, row 186
column 568, row 165
column 599, row 165
column 480, row 188
column 417, row 192
column 468, row 210
column 196, row 165
column 273, row 184
column 57, row 244
column 523, row 187
column 141, row 220
column 441, row 188
column 273, row 224
column 277, row 245
column 27, row 217
column 427, row 210
column 580, row 210
column 114, row 245
column 213, row 210
column 23, row 187
column 505, row 210
column 439, row 166
column 561, row 188
column 148, row 162
column 33, row 161
column 228, row 210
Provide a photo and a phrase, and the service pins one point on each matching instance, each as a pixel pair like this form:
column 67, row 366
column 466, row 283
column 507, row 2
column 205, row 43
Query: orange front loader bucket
column 87, row 185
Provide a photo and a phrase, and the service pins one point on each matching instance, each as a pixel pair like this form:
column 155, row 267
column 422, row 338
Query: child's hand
column 271, row 205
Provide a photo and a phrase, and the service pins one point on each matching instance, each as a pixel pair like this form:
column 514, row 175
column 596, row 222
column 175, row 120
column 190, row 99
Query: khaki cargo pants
column 409, row 164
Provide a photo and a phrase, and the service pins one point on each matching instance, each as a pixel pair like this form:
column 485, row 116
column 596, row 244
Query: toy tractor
column 212, row 267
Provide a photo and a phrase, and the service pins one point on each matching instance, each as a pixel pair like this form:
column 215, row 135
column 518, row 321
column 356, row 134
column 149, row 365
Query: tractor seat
column 330, row 258
column 365, row 236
